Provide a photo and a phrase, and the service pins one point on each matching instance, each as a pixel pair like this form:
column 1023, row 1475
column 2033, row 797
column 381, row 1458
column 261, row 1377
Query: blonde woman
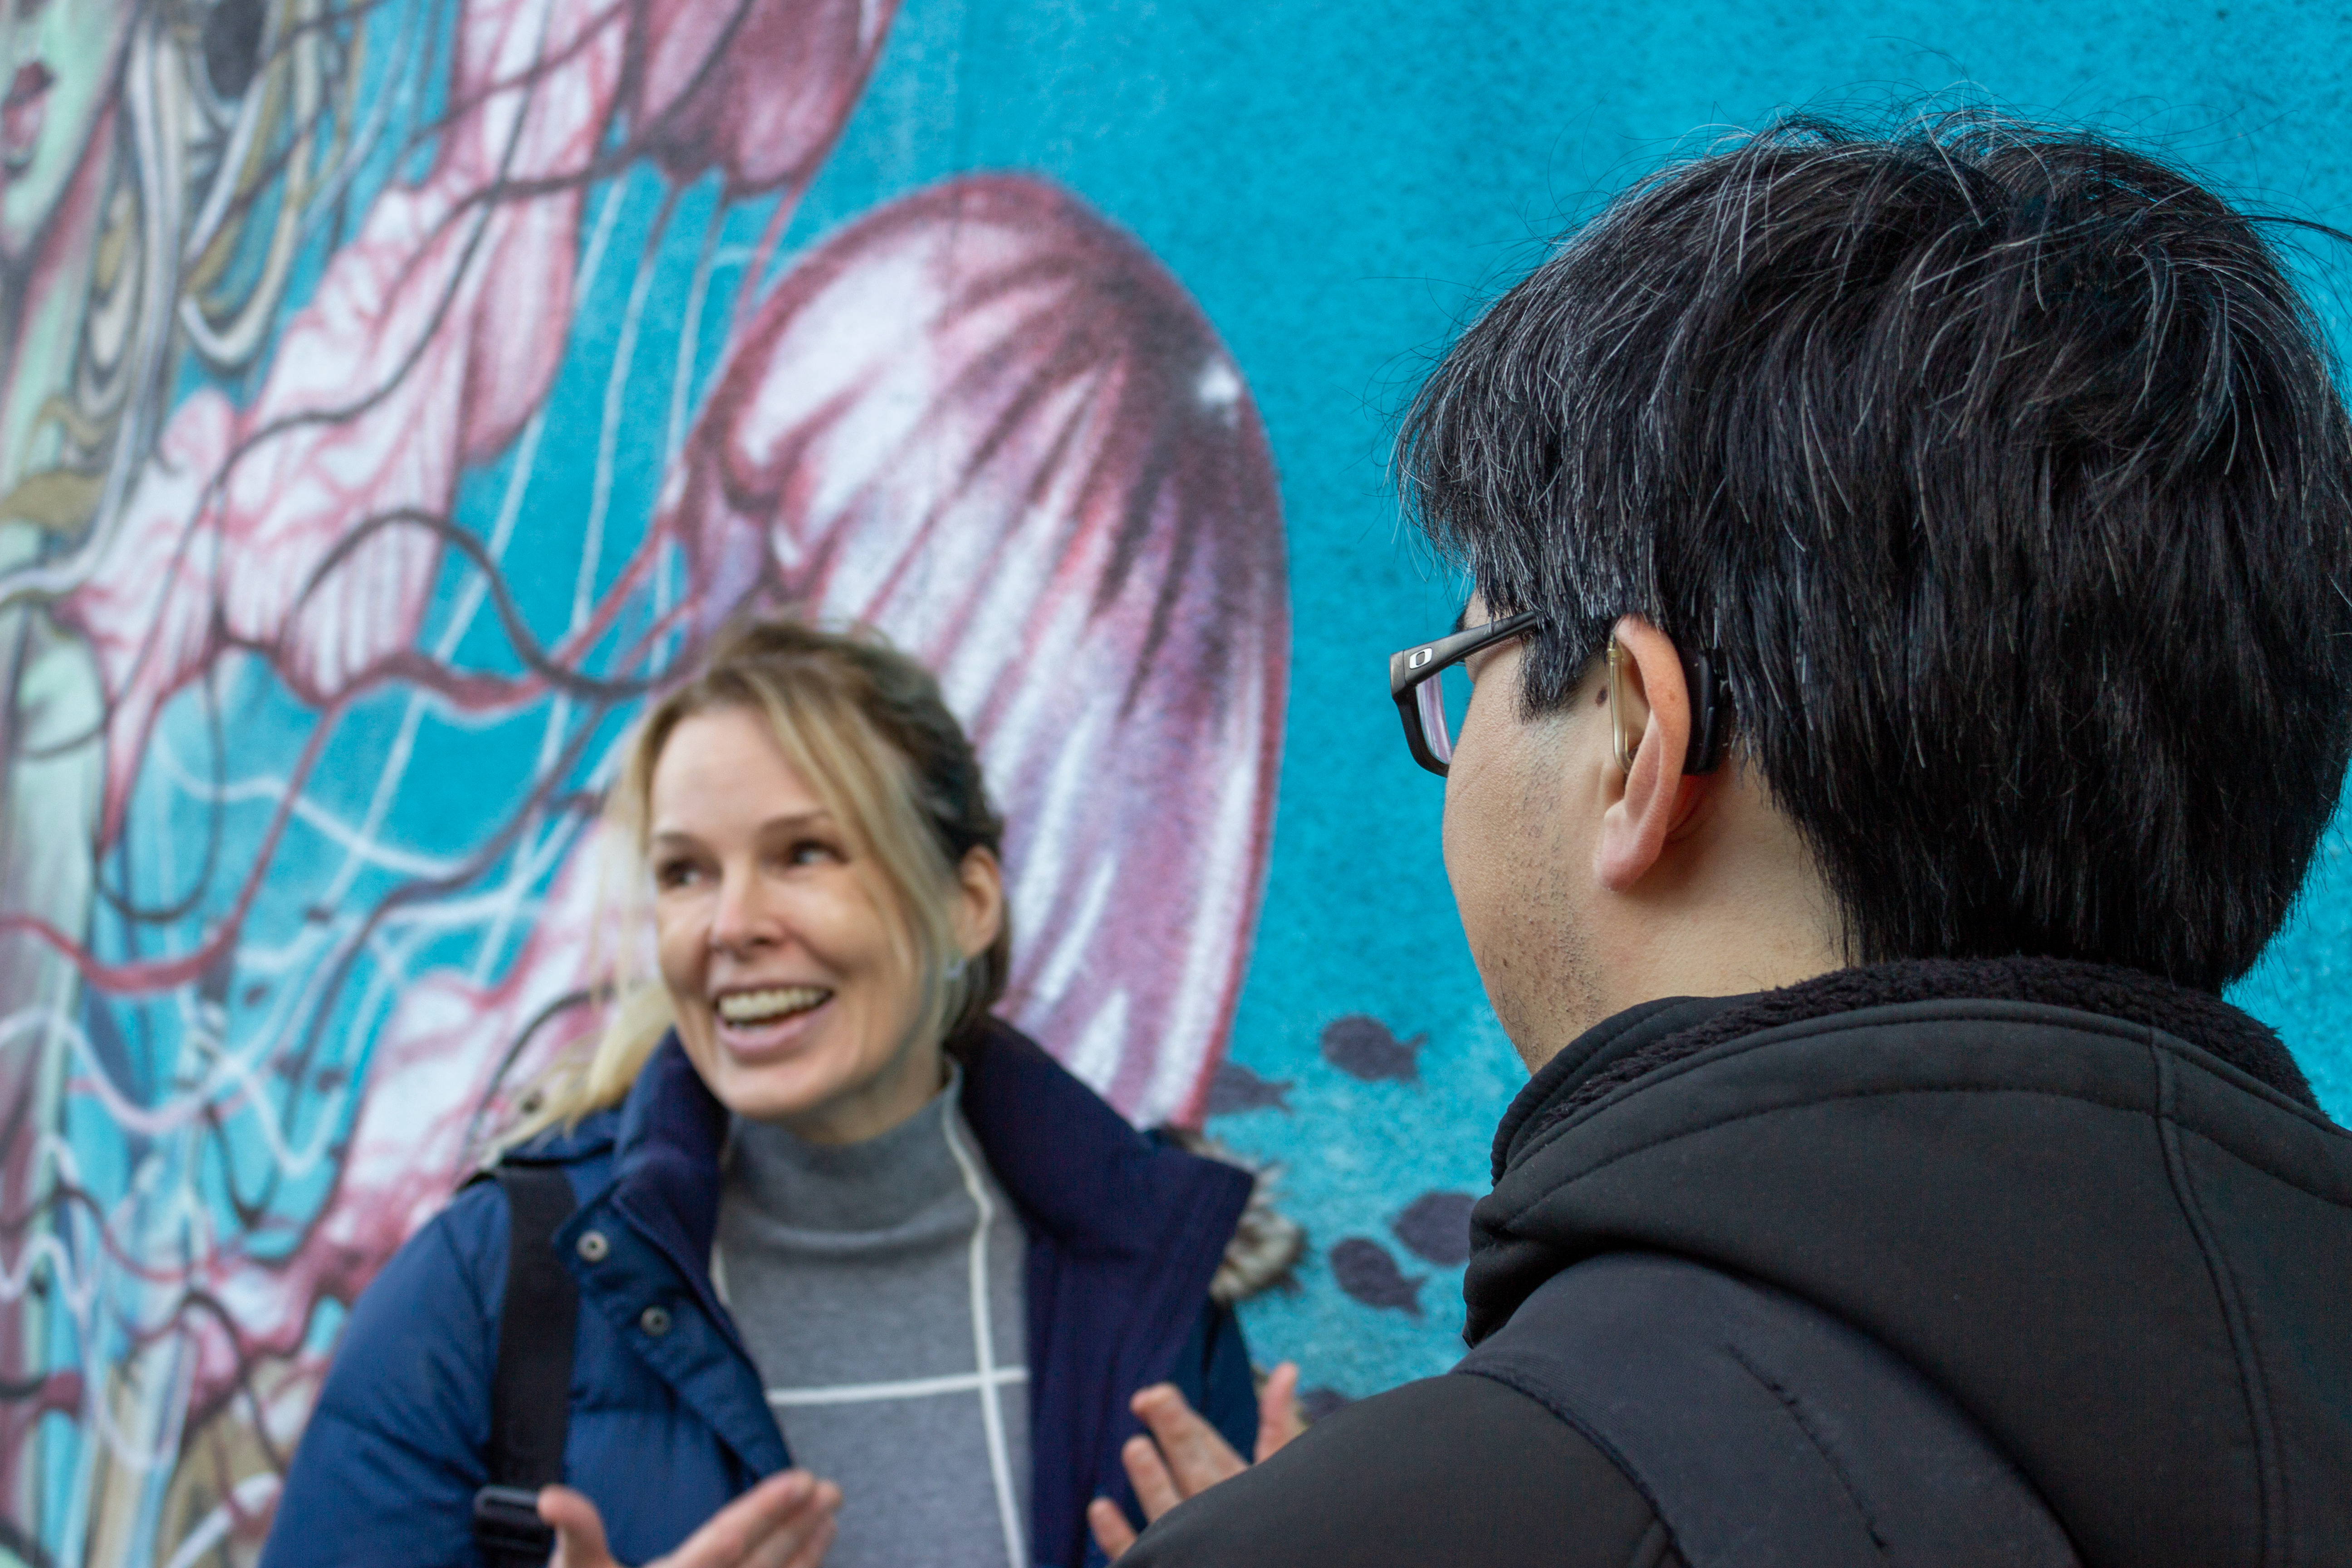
column 829, row 1216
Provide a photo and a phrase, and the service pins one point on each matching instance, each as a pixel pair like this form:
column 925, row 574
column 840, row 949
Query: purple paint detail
column 1366, row 1271
column 1367, row 1048
column 1236, row 1088
column 1435, row 1227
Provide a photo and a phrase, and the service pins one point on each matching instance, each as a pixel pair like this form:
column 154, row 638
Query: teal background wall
column 1334, row 188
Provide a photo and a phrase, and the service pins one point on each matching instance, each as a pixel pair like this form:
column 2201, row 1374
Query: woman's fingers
column 1184, row 1455
column 1278, row 1420
column 810, row 1537
column 763, row 1528
column 1155, row 1488
column 1197, row 1454
column 579, row 1529
column 1112, row 1532
column 813, row 1550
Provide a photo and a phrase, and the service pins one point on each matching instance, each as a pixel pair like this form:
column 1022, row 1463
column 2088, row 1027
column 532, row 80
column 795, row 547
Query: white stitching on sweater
column 992, row 1411
column 898, row 1388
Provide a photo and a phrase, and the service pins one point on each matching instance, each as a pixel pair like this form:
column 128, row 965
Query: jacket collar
column 666, row 1166
column 1078, row 1170
column 1072, row 1167
column 1640, row 1040
column 1613, row 1039
column 1125, row 1234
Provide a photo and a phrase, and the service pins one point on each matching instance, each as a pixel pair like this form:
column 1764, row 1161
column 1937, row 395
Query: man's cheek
column 1454, row 827
column 1471, row 849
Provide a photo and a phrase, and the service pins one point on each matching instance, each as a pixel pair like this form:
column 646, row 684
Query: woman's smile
column 765, row 1022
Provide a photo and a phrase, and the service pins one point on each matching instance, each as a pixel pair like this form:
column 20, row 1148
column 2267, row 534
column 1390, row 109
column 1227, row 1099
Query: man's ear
column 1654, row 701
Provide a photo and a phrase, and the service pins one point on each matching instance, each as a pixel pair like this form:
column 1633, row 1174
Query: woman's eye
column 810, row 852
column 674, row 873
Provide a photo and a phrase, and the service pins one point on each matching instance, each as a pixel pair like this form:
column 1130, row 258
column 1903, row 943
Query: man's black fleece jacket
column 2104, row 1214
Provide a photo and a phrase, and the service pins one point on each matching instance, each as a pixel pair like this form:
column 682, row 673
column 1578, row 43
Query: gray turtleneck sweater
column 878, row 1289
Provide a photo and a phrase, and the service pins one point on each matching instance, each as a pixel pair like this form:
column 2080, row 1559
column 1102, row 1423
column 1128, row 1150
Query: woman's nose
column 744, row 917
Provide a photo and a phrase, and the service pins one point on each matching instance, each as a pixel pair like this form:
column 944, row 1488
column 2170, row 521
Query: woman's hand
column 785, row 1521
column 1185, row 1455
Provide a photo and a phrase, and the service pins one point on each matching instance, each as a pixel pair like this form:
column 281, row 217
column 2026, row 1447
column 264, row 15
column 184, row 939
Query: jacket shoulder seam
column 1796, row 1415
column 2270, row 1475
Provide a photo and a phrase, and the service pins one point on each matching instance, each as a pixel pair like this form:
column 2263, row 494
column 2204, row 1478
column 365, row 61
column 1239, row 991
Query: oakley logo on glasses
column 1419, row 657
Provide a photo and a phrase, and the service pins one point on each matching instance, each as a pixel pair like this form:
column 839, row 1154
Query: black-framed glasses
column 1433, row 695
column 1430, row 702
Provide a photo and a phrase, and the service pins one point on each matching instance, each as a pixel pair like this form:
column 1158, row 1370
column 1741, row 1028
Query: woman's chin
column 780, row 1092
column 813, row 1072
column 776, row 1072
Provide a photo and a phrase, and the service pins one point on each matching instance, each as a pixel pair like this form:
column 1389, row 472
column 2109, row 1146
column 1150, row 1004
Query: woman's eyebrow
column 817, row 818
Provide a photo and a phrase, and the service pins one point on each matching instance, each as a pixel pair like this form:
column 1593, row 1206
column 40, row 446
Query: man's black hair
column 2007, row 469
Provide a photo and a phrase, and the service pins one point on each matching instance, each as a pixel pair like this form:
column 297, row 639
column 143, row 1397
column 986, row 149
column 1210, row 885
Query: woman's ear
column 979, row 901
column 1655, row 702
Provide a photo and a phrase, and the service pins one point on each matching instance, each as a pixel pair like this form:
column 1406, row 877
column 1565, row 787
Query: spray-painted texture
column 395, row 391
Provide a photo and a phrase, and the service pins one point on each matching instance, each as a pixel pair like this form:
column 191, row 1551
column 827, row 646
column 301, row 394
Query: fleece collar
column 1640, row 1040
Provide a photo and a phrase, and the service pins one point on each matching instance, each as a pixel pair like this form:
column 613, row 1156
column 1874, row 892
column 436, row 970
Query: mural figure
column 314, row 662
column 137, row 162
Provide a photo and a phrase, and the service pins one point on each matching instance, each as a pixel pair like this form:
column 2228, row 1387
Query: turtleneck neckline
column 877, row 1183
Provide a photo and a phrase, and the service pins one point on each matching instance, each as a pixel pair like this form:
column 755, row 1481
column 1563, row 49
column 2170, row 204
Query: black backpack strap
column 1764, row 1431
column 530, row 1391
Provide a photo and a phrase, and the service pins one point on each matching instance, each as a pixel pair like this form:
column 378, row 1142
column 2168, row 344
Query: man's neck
column 1740, row 924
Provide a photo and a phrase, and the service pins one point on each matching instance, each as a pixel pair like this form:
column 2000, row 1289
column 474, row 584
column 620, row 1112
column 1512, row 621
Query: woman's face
column 58, row 61
column 792, row 1000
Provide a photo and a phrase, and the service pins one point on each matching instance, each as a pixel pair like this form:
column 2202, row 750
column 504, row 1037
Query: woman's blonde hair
column 867, row 727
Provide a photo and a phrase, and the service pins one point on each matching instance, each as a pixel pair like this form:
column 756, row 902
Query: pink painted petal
column 755, row 88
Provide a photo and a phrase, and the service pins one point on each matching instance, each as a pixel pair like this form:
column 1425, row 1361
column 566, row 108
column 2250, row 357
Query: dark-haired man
column 1913, row 669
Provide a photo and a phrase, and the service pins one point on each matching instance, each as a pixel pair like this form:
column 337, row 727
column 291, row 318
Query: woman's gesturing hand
column 1185, row 1455
column 785, row 1521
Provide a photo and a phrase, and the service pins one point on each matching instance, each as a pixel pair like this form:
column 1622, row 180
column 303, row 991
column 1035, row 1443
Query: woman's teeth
column 767, row 1006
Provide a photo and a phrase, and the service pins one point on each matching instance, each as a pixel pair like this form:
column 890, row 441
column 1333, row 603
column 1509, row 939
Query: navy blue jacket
column 1124, row 1235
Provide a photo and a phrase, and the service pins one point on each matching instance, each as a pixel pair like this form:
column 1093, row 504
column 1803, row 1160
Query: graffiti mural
column 395, row 394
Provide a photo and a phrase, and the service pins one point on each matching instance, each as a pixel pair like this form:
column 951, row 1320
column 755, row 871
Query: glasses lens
column 1456, row 682
column 1429, row 701
column 1442, row 701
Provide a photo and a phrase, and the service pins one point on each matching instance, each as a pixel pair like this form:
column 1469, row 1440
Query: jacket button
column 593, row 1246
column 654, row 1321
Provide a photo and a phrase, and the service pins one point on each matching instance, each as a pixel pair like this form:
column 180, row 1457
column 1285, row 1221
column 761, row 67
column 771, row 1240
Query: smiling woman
column 823, row 1197
column 822, row 860
column 799, row 998
column 827, row 892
